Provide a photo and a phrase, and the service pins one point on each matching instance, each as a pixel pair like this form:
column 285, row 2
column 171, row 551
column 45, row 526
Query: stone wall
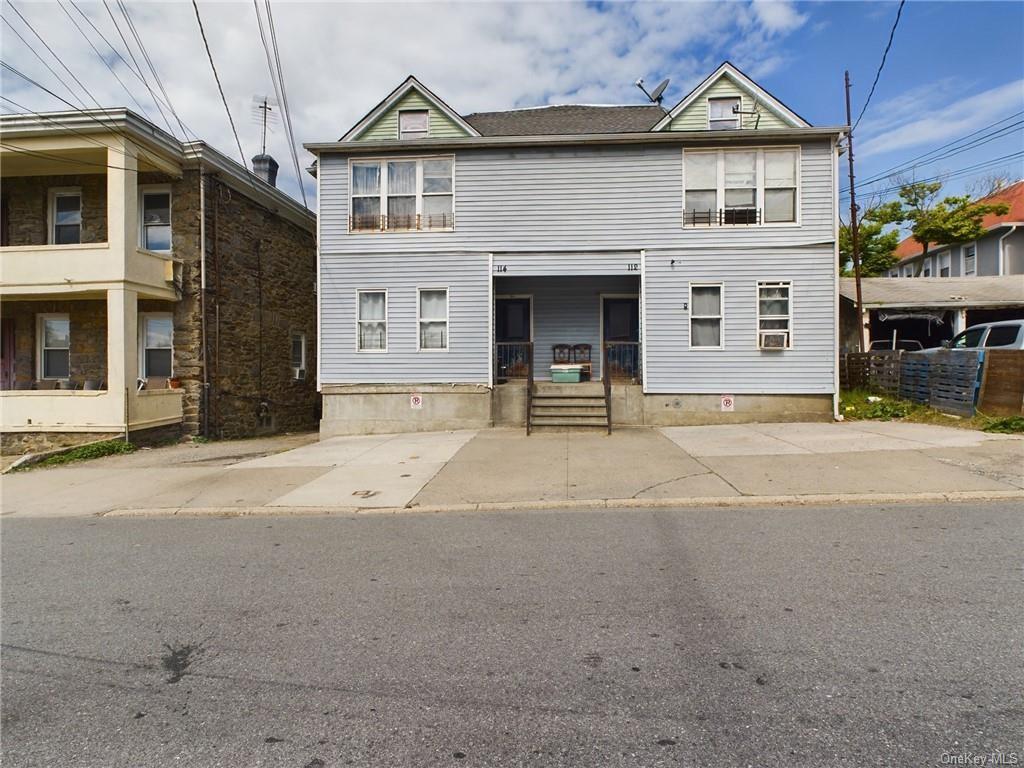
column 88, row 336
column 261, row 278
column 28, row 202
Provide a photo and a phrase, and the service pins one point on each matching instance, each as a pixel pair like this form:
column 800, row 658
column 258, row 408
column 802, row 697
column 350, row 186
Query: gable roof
column 410, row 83
column 728, row 69
column 1012, row 195
column 567, row 119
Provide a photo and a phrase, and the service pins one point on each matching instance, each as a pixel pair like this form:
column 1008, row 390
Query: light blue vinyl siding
column 740, row 367
column 566, row 310
column 465, row 360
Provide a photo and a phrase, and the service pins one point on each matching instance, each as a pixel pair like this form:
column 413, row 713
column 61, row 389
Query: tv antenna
column 657, row 94
column 264, row 114
column 756, row 112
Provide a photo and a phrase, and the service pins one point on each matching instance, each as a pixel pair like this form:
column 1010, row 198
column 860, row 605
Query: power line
column 223, row 98
column 287, row 107
column 63, row 126
column 138, row 69
column 105, row 62
column 958, row 173
column 35, row 53
column 878, row 74
column 60, row 159
column 156, row 76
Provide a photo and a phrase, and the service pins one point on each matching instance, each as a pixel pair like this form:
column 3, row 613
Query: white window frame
column 759, row 191
column 426, row 134
column 757, row 304
column 943, row 258
column 738, row 117
column 383, row 193
column 928, row 267
column 41, row 341
column 420, row 320
column 154, row 189
column 720, row 316
column 387, row 324
column 144, row 317
column 51, row 212
column 291, row 340
column 963, row 259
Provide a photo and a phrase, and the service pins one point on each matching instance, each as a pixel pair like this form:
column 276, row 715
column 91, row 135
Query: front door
column 620, row 325
column 7, row 354
column 512, row 334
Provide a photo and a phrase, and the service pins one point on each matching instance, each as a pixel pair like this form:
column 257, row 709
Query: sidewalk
column 499, row 468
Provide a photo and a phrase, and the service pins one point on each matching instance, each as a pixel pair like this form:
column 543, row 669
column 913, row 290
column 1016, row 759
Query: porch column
column 122, row 200
column 122, row 344
column 959, row 320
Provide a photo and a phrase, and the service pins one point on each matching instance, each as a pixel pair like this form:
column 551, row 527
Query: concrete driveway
column 499, row 467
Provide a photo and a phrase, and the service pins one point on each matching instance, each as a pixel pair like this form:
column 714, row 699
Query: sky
column 954, row 67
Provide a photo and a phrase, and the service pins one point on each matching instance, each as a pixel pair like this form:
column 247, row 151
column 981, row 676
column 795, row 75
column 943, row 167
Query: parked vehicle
column 907, row 345
column 1007, row 334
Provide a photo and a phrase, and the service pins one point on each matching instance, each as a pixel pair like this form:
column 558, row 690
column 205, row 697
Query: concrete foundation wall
column 382, row 409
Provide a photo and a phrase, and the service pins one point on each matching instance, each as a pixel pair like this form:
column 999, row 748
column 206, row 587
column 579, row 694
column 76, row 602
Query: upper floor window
column 970, row 260
column 65, row 216
column 926, row 268
column 155, row 218
column 944, row 263
column 723, row 114
column 413, row 124
column 748, row 186
column 402, row 195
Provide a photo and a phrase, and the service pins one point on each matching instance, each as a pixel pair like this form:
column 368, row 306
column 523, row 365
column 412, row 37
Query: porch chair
column 561, row 354
column 581, row 356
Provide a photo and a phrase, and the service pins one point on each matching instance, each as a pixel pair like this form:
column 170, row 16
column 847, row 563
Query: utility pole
column 854, row 224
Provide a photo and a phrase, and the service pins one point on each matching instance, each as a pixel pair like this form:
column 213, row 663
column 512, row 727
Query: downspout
column 836, row 415
column 1002, row 252
column 204, row 350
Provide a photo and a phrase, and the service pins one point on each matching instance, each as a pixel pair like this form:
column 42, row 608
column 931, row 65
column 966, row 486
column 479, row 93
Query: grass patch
column 86, row 452
column 1007, row 425
column 864, row 405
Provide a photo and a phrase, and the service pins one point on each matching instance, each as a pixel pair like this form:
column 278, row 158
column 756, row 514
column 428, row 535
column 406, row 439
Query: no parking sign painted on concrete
column 728, row 403
column 416, row 401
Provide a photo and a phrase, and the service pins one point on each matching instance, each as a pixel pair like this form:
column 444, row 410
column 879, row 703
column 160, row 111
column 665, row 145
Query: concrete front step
column 586, row 388
column 568, row 403
column 563, row 422
column 593, row 413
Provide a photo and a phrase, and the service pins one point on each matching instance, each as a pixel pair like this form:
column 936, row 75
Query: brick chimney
column 265, row 167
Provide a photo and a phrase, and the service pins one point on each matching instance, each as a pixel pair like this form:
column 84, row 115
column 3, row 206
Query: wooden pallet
column 953, row 381
column 914, row 368
column 1002, row 386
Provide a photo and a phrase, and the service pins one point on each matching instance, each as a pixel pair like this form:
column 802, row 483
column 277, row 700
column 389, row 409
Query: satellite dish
column 656, row 94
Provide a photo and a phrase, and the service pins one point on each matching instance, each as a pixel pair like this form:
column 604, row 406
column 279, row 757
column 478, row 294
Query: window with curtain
column 373, row 321
column 54, row 346
column 157, row 335
column 780, row 185
column 366, row 188
column 745, row 186
column 413, row 124
column 774, row 309
column 721, row 114
column 402, row 195
column 66, row 216
column 433, row 318
column 706, row 316
column 156, row 220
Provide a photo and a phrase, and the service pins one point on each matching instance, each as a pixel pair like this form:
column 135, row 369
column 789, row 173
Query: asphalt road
column 727, row 637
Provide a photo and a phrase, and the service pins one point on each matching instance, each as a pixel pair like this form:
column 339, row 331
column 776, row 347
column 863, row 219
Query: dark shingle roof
column 567, row 119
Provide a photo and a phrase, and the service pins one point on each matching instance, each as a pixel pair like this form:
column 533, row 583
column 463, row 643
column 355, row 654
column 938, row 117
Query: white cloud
column 340, row 59
column 943, row 120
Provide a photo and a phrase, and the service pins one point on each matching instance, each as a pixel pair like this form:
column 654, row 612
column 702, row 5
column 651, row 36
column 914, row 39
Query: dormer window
column 723, row 114
column 413, row 124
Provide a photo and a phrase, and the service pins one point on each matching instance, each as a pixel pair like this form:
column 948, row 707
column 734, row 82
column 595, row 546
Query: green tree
column 955, row 219
column 876, row 245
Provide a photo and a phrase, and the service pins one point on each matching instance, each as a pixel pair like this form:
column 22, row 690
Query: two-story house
column 687, row 255
column 149, row 287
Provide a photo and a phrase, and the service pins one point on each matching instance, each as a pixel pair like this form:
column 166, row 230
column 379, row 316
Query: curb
column 508, row 506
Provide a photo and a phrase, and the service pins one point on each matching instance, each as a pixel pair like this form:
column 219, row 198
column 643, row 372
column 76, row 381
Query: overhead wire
column 36, row 53
column 881, row 65
column 286, row 106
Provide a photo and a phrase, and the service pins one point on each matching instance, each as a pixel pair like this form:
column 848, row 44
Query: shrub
column 1008, row 425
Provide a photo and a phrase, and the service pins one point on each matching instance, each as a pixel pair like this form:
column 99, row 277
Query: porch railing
column 512, row 360
column 529, row 388
column 622, row 361
column 606, row 382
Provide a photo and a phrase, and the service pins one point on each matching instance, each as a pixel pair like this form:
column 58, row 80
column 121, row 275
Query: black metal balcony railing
column 722, row 216
column 511, row 360
column 401, row 223
column 622, row 361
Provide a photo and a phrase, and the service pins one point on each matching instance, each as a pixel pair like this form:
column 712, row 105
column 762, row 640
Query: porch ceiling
column 17, row 159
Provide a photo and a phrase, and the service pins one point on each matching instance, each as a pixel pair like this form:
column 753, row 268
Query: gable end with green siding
column 384, row 127
column 695, row 116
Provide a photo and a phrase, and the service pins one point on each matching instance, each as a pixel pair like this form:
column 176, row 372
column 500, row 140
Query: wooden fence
column 947, row 380
column 1002, row 386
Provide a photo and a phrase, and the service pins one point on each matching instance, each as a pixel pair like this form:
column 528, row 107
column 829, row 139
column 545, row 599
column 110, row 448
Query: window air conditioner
column 774, row 339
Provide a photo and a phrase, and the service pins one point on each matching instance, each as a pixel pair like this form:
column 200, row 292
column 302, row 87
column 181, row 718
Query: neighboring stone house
column 111, row 228
column 999, row 252
column 686, row 255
